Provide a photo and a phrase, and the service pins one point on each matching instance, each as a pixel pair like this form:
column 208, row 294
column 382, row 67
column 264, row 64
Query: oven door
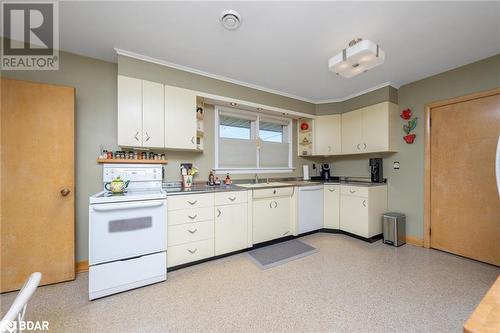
column 127, row 229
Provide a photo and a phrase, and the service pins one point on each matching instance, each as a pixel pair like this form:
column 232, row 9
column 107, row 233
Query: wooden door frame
column 427, row 152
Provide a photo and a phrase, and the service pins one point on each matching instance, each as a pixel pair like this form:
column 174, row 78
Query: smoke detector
column 230, row 19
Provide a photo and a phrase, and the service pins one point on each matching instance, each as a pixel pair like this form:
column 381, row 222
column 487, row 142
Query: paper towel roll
column 305, row 172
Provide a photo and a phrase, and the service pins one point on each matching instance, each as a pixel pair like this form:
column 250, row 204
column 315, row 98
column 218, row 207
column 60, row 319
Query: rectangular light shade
column 357, row 59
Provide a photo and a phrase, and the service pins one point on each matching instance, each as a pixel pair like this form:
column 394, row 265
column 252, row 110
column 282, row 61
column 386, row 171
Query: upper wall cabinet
column 327, row 135
column 140, row 113
column 370, row 129
column 180, row 118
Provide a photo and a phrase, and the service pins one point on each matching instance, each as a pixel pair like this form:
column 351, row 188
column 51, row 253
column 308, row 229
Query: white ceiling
column 285, row 46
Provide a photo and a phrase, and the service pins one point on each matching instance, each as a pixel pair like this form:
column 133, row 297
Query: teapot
column 116, row 185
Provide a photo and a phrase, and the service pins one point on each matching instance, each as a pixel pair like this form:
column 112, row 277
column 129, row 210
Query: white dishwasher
column 310, row 211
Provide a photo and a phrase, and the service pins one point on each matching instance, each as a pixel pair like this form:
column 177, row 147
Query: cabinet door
column 153, row 131
column 230, row 228
column 271, row 219
column 327, row 135
column 352, row 131
column 129, row 111
column 354, row 215
column 332, row 206
column 180, row 118
column 376, row 128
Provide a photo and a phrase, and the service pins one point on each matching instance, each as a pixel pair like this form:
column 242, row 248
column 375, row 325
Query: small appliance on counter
column 305, row 172
column 325, row 172
column 127, row 230
column 376, row 170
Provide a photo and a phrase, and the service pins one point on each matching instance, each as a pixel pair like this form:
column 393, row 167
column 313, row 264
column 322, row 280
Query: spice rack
column 130, row 161
column 305, row 137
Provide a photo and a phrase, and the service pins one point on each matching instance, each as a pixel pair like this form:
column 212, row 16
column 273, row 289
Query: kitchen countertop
column 234, row 187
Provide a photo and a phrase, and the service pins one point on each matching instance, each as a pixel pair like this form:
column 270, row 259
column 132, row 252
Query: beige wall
column 406, row 186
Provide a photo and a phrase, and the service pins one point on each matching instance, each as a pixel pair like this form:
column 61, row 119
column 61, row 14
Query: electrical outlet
column 396, row 165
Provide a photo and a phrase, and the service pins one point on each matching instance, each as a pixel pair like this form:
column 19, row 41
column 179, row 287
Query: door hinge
column 430, row 231
column 430, row 122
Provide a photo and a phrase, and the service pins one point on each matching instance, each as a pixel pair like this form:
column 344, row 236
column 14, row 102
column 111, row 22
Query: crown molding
column 142, row 57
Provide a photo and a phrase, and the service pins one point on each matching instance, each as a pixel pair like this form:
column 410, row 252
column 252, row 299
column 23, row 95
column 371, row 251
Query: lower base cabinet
column 361, row 209
column 331, row 206
column 231, row 228
column 271, row 219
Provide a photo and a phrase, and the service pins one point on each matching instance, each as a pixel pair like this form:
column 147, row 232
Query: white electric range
column 128, row 231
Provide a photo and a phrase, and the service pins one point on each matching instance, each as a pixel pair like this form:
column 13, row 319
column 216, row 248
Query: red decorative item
column 406, row 114
column 409, row 138
column 304, row 126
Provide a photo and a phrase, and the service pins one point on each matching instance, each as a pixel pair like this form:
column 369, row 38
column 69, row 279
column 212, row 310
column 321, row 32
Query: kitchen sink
column 262, row 185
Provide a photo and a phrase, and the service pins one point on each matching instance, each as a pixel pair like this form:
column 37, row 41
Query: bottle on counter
column 211, row 179
column 228, row 180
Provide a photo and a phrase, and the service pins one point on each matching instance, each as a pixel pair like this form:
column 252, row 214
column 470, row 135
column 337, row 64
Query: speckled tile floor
column 348, row 286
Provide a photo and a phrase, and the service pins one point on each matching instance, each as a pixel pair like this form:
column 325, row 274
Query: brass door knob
column 65, row 192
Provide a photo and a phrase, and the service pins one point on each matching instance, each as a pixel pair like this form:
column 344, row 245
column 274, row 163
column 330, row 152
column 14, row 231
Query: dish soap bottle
column 211, row 179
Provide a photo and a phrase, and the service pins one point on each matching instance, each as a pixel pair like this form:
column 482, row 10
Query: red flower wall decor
column 409, row 126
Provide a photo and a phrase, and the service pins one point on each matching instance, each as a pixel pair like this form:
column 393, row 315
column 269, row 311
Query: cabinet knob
column 192, row 139
column 193, row 251
column 232, row 198
column 192, row 231
column 218, row 212
column 147, row 136
column 364, row 145
column 331, row 189
column 364, row 203
column 192, row 202
column 358, row 146
column 65, row 192
column 135, row 136
column 192, row 217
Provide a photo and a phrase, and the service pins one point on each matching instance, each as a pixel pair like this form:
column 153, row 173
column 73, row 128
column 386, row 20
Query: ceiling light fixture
column 230, row 19
column 360, row 56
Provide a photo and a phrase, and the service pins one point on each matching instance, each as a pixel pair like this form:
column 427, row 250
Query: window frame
column 254, row 135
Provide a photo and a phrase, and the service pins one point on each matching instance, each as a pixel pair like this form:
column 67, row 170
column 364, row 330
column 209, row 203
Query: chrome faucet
column 256, row 178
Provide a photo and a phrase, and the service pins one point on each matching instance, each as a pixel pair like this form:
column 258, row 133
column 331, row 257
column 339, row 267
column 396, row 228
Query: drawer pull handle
column 135, row 136
column 218, row 212
column 365, row 145
column 232, row 198
column 192, row 202
column 193, row 251
column 352, row 191
column 275, row 204
column 286, row 233
column 358, row 146
column 364, row 203
column 192, row 217
column 192, row 231
column 331, row 189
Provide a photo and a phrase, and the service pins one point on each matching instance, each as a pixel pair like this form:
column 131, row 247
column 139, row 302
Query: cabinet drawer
column 358, row 191
column 190, row 232
column 273, row 192
column 184, row 253
column 175, row 217
column 185, row 201
column 233, row 197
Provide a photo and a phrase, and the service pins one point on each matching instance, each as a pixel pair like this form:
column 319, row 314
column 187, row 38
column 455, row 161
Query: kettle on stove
column 117, row 185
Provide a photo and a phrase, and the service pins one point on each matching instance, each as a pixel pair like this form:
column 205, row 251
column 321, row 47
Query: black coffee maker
column 376, row 170
column 325, row 172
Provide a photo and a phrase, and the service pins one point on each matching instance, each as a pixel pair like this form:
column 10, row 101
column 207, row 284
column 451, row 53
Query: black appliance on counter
column 376, row 170
column 325, row 172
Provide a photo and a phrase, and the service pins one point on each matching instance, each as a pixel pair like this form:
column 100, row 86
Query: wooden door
column 332, row 206
column 37, row 183
column 352, row 131
column 129, row 111
column 327, row 135
column 180, row 118
column 376, row 128
column 230, row 228
column 153, row 122
column 464, row 201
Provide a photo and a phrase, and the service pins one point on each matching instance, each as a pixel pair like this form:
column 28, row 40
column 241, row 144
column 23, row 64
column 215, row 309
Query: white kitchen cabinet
column 332, row 206
column 230, row 228
column 271, row 218
column 370, row 129
column 153, row 133
column 352, row 131
column 361, row 209
column 327, row 135
column 129, row 111
column 180, row 118
column 140, row 113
